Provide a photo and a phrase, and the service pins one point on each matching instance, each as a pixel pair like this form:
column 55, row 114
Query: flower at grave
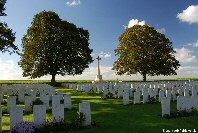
column 23, row 127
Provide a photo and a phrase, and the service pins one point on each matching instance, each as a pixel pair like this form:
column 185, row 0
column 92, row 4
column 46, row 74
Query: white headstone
column 145, row 97
column 11, row 102
column 21, row 95
column 137, row 98
column 16, row 115
column 105, row 93
column 55, row 100
column 45, row 100
column 180, row 92
column 85, row 109
column 188, row 103
column 67, row 102
column 161, row 95
column 39, row 115
column 120, row 92
column 58, row 112
column 181, row 103
column 126, row 98
column 195, row 102
column 28, row 103
column 174, row 92
column 131, row 93
column 194, row 92
column 165, row 101
column 168, row 94
column 152, row 93
column 60, row 93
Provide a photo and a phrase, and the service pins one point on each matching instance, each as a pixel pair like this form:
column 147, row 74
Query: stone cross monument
column 98, row 76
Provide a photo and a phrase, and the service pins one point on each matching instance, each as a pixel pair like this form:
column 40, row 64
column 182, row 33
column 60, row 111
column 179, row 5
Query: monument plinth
column 98, row 76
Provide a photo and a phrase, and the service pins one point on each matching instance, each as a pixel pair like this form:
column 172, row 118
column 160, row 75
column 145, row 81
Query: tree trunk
column 144, row 77
column 53, row 81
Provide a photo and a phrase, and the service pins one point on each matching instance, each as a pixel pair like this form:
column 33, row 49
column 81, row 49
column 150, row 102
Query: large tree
column 144, row 50
column 7, row 37
column 54, row 47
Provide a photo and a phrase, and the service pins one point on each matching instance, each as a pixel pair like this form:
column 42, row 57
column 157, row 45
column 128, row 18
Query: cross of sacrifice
column 98, row 58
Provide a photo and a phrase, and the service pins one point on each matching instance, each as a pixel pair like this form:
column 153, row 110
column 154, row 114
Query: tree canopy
column 54, row 47
column 7, row 37
column 144, row 50
column 2, row 7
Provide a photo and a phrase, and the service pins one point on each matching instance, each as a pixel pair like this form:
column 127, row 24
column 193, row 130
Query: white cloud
column 109, row 74
column 184, row 56
column 162, row 30
column 193, row 44
column 189, row 15
column 9, row 70
column 105, row 54
column 73, row 3
column 133, row 22
column 92, row 54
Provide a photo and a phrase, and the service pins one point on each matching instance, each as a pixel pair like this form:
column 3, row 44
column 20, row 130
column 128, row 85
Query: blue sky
column 106, row 21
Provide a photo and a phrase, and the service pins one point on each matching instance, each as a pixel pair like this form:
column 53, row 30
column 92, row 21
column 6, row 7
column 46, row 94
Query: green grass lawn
column 113, row 117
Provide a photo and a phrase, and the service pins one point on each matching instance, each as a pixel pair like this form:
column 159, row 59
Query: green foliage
column 144, row 50
column 79, row 121
column 52, row 126
column 7, row 37
column 62, row 101
column 37, row 102
column 2, row 7
column 183, row 113
column 55, row 47
column 152, row 100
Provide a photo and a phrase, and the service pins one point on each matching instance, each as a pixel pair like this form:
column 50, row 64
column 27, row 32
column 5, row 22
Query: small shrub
column 62, row 101
column 182, row 113
column 167, row 116
column 37, row 102
column 152, row 100
column 110, row 95
column 23, row 127
column 91, row 91
column 26, row 94
column 4, row 102
column 52, row 126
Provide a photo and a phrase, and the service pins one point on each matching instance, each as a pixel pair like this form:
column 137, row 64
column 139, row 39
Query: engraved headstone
column 39, row 115
column 58, row 112
column 16, row 115
column 85, row 109
column 165, row 101
column 67, row 102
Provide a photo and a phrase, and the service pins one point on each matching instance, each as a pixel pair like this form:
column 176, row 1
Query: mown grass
column 113, row 117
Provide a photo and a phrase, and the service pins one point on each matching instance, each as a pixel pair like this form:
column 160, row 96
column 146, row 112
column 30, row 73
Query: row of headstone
column 22, row 90
column 160, row 84
column 117, row 89
column 184, row 103
column 11, row 101
column 187, row 103
column 39, row 113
